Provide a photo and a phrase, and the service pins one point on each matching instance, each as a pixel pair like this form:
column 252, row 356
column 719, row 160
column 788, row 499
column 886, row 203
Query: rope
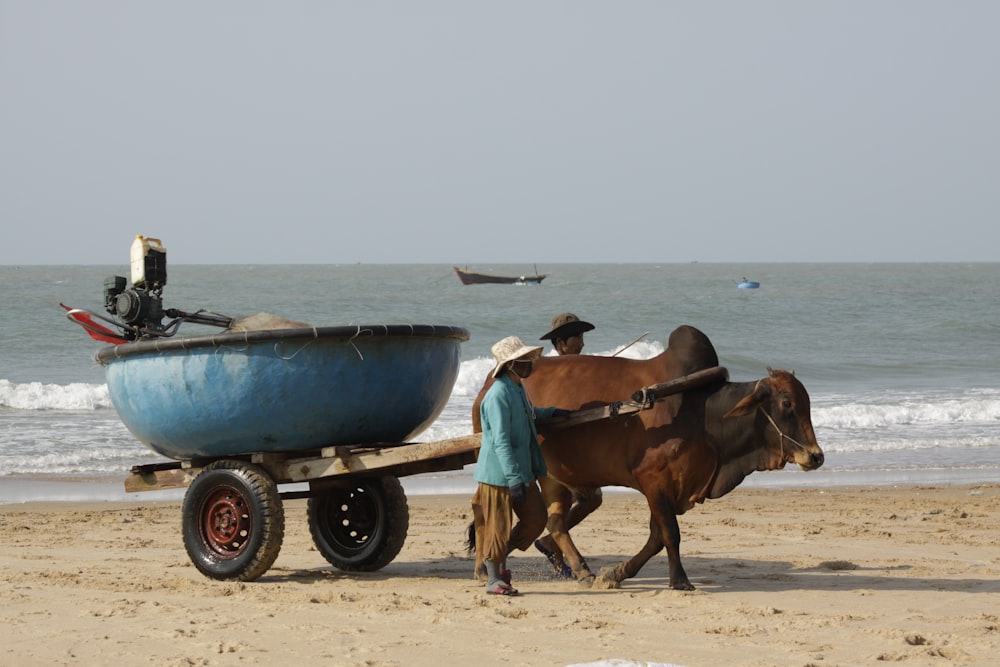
column 781, row 435
column 614, row 409
column 294, row 354
column 351, row 342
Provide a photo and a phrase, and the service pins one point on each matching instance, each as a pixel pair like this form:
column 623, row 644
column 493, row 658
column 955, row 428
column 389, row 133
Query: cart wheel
column 233, row 521
column 360, row 526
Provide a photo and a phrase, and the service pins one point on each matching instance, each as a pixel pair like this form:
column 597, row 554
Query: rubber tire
column 223, row 489
column 361, row 525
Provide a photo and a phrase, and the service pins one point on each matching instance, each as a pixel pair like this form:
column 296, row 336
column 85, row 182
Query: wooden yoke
column 683, row 383
column 642, row 399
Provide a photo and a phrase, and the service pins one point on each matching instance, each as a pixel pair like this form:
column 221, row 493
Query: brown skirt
column 499, row 538
column 494, row 502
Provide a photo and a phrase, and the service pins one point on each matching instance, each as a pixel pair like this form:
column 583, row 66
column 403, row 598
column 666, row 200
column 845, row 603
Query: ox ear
column 761, row 392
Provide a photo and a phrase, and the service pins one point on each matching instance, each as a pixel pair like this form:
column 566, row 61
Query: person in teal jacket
column 510, row 463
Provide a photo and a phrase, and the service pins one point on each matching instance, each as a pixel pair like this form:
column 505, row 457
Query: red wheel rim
column 226, row 520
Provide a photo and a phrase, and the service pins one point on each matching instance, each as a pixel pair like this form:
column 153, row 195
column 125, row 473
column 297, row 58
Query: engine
column 141, row 305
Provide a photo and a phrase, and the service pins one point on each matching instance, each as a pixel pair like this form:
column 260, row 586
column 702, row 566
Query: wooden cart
column 234, row 522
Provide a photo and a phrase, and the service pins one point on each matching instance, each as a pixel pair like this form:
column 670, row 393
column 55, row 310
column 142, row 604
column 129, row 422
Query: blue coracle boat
column 282, row 390
column 748, row 284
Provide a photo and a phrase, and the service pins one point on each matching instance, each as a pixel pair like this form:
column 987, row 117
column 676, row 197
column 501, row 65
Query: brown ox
column 688, row 447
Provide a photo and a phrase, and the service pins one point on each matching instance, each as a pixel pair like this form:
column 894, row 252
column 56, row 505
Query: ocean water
column 902, row 361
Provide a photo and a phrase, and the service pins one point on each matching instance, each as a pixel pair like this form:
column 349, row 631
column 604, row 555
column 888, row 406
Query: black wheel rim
column 353, row 520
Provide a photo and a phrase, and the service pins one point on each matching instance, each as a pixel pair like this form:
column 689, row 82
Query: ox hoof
column 682, row 586
column 607, row 579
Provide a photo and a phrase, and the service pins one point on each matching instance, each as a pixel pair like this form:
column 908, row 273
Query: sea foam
column 39, row 396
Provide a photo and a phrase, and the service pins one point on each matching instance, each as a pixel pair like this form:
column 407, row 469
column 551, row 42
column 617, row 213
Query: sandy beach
column 832, row 576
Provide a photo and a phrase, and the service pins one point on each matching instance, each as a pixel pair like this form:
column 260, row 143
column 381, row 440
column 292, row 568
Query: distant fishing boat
column 473, row 278
column 747, row 284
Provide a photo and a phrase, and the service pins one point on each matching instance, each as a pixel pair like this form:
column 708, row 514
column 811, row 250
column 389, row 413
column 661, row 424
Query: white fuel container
column 149, row 263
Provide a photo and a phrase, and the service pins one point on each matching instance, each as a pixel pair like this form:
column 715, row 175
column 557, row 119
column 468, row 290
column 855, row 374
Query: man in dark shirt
column 567, row 338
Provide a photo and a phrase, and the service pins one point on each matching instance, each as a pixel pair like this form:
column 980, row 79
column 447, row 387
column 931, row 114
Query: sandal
column 501, row 589
column 505, row 576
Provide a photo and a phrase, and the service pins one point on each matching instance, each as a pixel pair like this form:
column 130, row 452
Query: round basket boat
column 283, row 390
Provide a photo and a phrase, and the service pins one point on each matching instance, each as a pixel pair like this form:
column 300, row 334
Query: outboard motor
column 140, row 306
column 137, row 312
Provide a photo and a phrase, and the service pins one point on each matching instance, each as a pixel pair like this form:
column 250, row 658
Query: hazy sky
column 500, row 132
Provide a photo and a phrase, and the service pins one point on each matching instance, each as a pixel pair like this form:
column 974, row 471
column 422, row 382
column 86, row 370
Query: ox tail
column 470, row 539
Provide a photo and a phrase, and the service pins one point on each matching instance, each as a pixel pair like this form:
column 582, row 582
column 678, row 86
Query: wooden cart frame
column 233, row 517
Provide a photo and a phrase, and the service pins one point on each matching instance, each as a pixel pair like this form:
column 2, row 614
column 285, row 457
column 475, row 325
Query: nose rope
column 781, row 436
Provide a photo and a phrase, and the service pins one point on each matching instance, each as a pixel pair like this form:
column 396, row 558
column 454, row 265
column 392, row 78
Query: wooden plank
column 403, row 459
column 366, row 460
column 589, row 415
column 158, row 479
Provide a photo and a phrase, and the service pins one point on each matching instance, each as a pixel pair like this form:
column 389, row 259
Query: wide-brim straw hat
column 566, row 326
column 511, row 349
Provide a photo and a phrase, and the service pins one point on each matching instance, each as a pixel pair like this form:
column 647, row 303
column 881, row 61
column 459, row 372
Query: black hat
column 565, row 326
